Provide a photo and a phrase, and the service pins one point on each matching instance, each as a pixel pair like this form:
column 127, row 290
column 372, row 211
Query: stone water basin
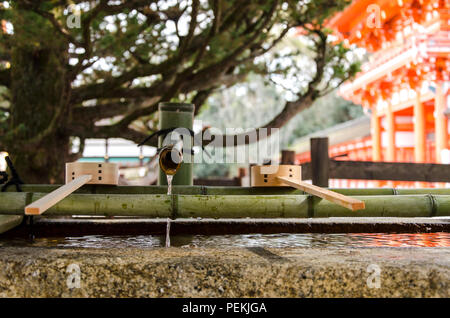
column 228, row 265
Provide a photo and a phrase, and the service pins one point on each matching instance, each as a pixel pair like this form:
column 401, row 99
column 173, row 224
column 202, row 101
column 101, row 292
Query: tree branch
column 107, row 132
column 87, row 45
column 193, row 24
column 200, row 98
column 58, row 27
column 291, row 108
column 111, row 87
column 184, row 83
column 154, row 91
column 94, row 113
column 225, row 63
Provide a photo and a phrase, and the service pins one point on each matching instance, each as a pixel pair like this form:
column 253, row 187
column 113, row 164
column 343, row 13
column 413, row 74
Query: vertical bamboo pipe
column 440, row 122
column 180, row 115
column 419, row 130
column 376, row 138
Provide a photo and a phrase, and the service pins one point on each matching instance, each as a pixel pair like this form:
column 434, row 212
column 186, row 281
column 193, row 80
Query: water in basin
column 440, row 239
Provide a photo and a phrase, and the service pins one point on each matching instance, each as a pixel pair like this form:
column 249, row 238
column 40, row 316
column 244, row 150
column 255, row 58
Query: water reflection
column 247, row 240
column 404, row 240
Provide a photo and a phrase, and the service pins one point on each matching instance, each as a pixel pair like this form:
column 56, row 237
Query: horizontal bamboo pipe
column 224, row 190
column 230, row 206
column 8, row 222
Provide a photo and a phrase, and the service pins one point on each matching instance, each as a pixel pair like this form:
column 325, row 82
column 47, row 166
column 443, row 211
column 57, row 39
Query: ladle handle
column 345, row 201
column 40, row 206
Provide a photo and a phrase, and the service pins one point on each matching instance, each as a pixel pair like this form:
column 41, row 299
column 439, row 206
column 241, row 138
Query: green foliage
column 167, row 46
column 127, row 56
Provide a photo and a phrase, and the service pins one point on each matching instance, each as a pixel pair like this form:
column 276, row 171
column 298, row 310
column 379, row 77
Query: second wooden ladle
column 290, row 175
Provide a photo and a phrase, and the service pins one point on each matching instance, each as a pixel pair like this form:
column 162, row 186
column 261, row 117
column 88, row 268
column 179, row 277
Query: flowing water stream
column 169, row 183
column 169, row 192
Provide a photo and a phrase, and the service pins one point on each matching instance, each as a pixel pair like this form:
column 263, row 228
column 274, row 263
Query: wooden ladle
column 290, row 175
column 77, row 175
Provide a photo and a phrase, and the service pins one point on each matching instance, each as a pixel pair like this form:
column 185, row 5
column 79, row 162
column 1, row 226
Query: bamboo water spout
column 170, row 158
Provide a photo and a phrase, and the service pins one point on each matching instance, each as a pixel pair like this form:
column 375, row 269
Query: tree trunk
column 40, row 90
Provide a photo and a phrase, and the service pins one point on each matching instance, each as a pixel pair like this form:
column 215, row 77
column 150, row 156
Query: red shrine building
column 404, row 85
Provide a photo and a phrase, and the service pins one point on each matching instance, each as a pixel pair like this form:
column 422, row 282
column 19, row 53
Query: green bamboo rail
column 229, row 206
column 216, row 190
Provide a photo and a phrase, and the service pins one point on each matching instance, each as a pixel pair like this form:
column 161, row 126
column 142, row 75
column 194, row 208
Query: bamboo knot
column 434, row 204
column 312, row 202
column 173, row 206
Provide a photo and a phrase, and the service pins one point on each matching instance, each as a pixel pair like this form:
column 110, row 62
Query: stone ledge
column 234, row 272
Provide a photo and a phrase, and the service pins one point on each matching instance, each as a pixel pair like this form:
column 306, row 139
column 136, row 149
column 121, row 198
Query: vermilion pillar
column 376, row 135
column 419, row 130
column 440, row 122
column 390, row 118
